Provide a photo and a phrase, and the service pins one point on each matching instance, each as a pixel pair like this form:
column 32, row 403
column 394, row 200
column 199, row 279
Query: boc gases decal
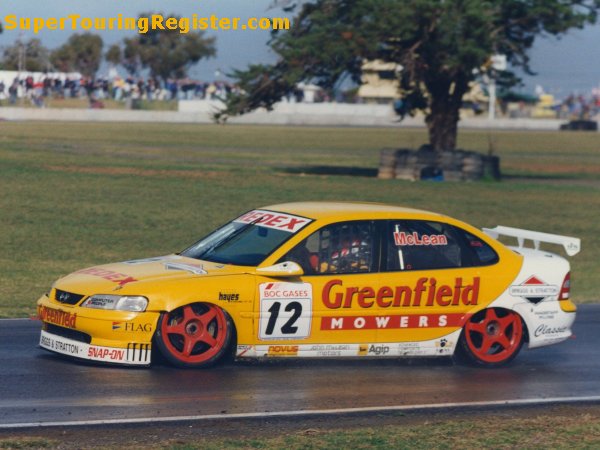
column 285, row 310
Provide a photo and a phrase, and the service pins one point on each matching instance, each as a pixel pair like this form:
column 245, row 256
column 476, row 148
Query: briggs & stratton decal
column 534, row 289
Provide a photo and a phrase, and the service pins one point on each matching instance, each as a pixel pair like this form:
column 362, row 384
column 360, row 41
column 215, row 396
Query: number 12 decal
column 285, row 310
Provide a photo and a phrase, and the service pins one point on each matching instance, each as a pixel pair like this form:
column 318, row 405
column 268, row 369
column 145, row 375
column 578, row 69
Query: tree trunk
column 442, row 120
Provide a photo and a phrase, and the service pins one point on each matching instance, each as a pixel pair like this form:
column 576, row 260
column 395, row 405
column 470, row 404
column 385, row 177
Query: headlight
column 135, row 303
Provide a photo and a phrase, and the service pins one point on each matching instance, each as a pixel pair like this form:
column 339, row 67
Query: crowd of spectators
column 96, row 90
column 39, row 89
column 580, row 107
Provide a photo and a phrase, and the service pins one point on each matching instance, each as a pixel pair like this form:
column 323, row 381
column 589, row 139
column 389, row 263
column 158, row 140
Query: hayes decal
column 534, row 289
column 57, row 317
column 119, row 278
column 392, row 321
column 402, row 238
column 426, row 292
column 229, row 296
column 278, row 221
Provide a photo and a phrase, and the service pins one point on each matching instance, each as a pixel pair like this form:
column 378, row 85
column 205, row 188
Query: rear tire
column 491, row 338
column 194, row 336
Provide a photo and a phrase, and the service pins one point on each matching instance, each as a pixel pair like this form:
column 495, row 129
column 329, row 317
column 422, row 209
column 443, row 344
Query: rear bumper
column 547, row 323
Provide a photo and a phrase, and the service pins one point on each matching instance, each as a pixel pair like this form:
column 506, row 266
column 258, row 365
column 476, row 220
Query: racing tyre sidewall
column 491, row 338
column 196, row 335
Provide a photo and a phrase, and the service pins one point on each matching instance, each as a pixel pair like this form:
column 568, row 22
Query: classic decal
column 275, row 220
column 120, row 278
column 57, row 317
column 402, row 238
column 534, row 289
column 391, row 322
column 545, row 330
column 285, row 310
column 426, row 292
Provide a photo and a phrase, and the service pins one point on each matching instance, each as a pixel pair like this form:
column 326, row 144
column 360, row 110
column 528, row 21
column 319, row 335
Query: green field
column 77, row 194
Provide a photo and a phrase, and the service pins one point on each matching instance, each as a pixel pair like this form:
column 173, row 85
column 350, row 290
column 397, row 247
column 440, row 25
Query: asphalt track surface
column 40, row 388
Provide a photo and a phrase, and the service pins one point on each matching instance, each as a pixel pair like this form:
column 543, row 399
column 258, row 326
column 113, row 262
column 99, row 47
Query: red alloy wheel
column 194, row 335
column 494, row 336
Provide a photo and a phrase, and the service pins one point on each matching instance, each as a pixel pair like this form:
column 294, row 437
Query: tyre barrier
column 427, row 164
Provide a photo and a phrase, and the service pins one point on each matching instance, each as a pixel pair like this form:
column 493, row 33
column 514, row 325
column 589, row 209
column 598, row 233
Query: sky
column 568, row 65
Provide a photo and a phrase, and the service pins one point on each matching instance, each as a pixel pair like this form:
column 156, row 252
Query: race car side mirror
column 283, row 269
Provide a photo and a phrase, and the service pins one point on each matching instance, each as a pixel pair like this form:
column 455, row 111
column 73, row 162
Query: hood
column 114, row 277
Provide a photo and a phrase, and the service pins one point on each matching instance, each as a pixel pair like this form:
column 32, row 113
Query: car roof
column 351, row 210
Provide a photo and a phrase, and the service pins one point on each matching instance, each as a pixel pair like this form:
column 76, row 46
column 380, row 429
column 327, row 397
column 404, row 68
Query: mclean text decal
column 402, row 238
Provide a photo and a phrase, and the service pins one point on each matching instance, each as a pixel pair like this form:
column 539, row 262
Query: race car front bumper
column 116, row 337
column 134, row 354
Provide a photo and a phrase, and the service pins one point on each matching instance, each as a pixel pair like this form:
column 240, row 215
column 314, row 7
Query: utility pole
column 498, row 65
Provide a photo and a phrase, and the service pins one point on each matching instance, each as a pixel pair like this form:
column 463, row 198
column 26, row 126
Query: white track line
column 261, row 415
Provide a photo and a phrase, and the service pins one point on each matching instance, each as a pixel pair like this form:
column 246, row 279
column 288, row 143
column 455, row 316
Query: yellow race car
column 320, row 280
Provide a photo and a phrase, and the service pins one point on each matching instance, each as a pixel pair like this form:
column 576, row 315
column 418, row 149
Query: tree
column 81, row 53
column 113, row 55
column 30, row 55
column 440, row 45
column 166, row 53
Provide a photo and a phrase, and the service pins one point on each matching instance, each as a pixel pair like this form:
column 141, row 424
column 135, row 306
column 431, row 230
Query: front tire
column 194, row 336
column 492, row 337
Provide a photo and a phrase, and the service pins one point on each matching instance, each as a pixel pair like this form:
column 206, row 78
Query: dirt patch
column 108, row 170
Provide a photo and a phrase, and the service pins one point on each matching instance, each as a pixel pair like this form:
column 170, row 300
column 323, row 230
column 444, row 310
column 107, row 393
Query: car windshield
column 247, row 240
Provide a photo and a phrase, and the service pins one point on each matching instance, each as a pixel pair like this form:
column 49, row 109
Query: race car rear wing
column 571, row 245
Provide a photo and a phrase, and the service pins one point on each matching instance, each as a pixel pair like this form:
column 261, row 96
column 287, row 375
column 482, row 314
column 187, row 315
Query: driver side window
column 345, row 247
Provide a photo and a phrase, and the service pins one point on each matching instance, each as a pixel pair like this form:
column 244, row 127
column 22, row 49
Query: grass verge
column 533, row 427
column 80, row 194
